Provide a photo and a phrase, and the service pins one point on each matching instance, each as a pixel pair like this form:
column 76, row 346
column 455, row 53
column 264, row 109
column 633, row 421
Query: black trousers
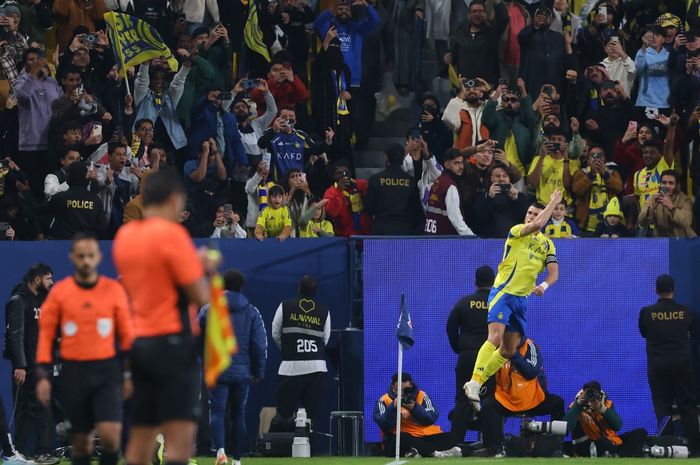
column 673, row 381
column 632, row 444
column 425, row 445
column 304, row 390
column 5, row 444
column 462, row 415
column 493, row 413
column 32, row 420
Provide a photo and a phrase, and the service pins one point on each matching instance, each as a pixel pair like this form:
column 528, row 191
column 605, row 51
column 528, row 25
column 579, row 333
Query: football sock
column 482, row 359
column 494, row 364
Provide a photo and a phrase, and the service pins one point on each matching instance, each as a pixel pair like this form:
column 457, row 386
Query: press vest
column 514, row 391
column 591, row 425
column 436, row 219
column 303, row 324
column 408, row 425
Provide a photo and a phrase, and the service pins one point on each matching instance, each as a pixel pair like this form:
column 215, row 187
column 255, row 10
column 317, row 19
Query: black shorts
column 167, row 381
column 90, row 393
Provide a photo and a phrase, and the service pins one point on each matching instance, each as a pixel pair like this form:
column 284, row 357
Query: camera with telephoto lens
column 557, row 428
column 666, row 452
column 591, row 394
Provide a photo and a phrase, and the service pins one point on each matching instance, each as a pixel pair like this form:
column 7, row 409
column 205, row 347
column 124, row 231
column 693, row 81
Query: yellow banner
column 219, row 340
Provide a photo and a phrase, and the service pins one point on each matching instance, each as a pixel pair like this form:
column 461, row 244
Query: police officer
column 466, row 331
column 301, row 329
column 77, row 209
column 666, row 327
column 393, row 198
column 444, row 213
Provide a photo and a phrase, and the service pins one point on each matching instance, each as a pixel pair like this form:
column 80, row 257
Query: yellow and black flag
column 252, row 35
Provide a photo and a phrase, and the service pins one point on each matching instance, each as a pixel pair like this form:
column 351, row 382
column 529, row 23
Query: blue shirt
column 190, row 167
column 654, row 86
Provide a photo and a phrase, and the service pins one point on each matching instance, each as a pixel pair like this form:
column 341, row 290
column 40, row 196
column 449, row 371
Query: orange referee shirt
column 85, row 318
column 155, row 258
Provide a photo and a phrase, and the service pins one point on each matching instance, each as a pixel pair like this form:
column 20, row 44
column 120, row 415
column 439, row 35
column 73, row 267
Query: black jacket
column 22, row 327
column 76, row 210
column 393, row 198
column 466, row 326
column 666, row 327
column 543, row 58
column 493, row 217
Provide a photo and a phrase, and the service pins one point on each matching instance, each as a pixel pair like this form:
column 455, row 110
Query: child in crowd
column 274, row 220
column 560, row 226
column 317, row 225
column 613, row 226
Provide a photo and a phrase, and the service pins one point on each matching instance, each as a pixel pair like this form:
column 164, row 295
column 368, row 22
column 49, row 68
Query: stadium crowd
column 596, row 98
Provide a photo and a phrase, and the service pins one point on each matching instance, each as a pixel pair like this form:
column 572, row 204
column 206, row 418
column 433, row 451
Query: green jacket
column 198, row 82
column 500, row 126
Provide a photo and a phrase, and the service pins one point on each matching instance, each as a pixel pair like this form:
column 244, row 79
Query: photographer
column 521, row 389
column 593, row 419
column 501, row 207
column 670, row 210
column 420, row 436
column 435, row 133
column 553, row 170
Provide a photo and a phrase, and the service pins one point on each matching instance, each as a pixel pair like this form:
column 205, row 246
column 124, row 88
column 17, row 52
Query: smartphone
column 302, row 176
column 223, row 96
column 603, row 10
column 415, row 134
column 663, row 190
column 502, row 82
column 127, row 163
column 92, row 166
column 96, row 130
column 505, row 188
column 266, row 158
column 250, row 83
column 651, row 113
column 548, row 91
column 632, row 126
column 554, row 146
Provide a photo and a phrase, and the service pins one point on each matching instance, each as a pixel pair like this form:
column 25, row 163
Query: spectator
column 559, row 225
column 475, row 42
column 13, row 46
column 619, row 66
column 70, row 14
column 544, row 54
column 393, row 198
column 257, row 188
column 652, row 66
column 56, row 182
column 444, row 213
column 209, row 166
column 648, row 179
column 227, row 224
column 211, row 122
column 410, row 38
column 200, row 79
column 346, row 202
column 521, row 389
column 22, row 222
column 500, row 208
column 350, row 32
column 510, row 63
column 628, row 151
column 670, row 210
column 464, row 112
column 420, row 164
column 247, row 366
column 476, row 178
column 591, row 39
column 158, row 104
column 295, row 16
column 613, row 226
column 434, row 131
column 317, row 225
column 285, row 86
column 290, row 147
column 141, row 139
column 512, row 125
column 92, row 60
column 274, row 219
column 201, row 208
column 35, row 92
column 77, row 209
column 594, row 186
column 118, row 182
column 298, row 198
column 564, row 21
column 420, row 436
column 608, row 123
column 553, row 170
column 250, row 127
column 592, row 418
column 74, row 105
column 21, row 339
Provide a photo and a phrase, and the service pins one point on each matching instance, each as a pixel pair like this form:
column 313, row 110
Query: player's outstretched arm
column 543, row 216
column 552, row 277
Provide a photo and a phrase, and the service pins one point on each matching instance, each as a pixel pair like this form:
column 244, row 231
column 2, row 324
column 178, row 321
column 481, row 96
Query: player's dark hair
column 538, row 205
column 308, row 286
column 161, row 186
column 233, row 280
column 673, row 174
column 38, row 270
column 82, row 236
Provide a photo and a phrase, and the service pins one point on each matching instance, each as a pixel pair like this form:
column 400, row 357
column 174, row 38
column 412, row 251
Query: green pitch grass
column 466, row 461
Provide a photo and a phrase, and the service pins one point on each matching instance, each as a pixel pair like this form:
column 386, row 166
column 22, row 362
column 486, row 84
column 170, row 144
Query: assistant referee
column 87, row 310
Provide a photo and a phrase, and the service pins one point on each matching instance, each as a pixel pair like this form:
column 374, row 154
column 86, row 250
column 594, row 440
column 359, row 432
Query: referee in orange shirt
column 87, row 310
column 164, row 278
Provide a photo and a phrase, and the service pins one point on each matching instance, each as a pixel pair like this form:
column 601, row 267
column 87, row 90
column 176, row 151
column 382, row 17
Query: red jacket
column 340, row 212
column 629, row 158
column 285, row 93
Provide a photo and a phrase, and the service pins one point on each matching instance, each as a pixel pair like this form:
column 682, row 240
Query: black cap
column 395, row 153
column 665, row 284
column 593, row 385
column 544, row 10
column 484, row 276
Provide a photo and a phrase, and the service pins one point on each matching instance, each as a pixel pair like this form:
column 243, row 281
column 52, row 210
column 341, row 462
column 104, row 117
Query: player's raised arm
column 552, row 276
column 542, row 216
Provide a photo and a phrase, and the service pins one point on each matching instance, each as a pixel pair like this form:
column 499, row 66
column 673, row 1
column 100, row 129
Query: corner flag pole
column 398, row 407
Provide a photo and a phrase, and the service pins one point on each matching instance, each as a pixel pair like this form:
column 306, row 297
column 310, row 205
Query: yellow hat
column 669, row 20
column 613, row 209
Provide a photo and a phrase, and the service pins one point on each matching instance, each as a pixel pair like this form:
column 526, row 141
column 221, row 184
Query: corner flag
column 404, row 330
column 220, row 340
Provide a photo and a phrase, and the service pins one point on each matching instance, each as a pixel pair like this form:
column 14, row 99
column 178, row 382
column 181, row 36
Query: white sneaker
column 236, row 462
column 221, row 458
column 454, row 452
column 18, row 459
column 471, row 390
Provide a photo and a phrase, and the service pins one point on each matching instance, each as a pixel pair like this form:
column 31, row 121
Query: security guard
column 393, row 198
column 77, row 209
column 301, row 328
column 444, row 213
column 666, row 327
column 466, row 331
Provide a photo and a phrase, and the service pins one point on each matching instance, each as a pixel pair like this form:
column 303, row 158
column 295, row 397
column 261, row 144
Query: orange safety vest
column 592, row 426
column 408, row 425
column 514, row 391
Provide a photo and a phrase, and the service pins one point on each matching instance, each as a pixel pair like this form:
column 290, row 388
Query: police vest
column 303, row 323
column 409, row 425
column 514, row 391
column 595, row 426
column 436, row 219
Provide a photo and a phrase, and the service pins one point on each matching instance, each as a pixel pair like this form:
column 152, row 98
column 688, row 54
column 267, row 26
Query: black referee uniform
column 467, row 330
column 666, row 327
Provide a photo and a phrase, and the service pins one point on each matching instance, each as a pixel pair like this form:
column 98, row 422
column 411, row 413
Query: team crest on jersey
column 70, row 329
column 297, row 145
column 104, row 326
column 500, row 315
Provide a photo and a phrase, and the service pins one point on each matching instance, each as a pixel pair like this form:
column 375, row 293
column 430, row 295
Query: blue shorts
column 509, row 310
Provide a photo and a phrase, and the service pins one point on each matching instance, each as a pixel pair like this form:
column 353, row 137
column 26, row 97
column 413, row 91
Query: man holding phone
column 552, row 170
column 670, row 210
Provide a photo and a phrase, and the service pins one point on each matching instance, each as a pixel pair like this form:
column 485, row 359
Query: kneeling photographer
column 420, row 436
column 594, row 423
